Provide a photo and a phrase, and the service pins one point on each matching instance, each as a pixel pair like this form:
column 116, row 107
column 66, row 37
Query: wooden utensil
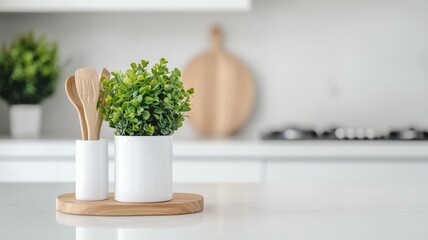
column 70, row 89
column 224, row 90
column 104, row 73
column 88, row 88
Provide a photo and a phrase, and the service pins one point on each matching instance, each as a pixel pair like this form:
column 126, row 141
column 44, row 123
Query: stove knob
column 360, row 133
column 292, row 134
column 350, row 133
column 370, row 133
column 409, row 134
column 340, row 133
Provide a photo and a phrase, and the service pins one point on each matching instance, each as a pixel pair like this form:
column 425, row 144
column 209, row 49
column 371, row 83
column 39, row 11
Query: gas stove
column 342, row 133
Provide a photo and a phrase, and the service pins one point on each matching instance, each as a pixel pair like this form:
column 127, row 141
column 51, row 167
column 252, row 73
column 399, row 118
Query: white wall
column 320, row 62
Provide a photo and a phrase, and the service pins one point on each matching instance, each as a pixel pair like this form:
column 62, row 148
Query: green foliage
column 28, row 70
column 140, row 102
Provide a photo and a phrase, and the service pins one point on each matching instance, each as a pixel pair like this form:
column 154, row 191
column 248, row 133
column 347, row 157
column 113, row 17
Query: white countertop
column 10, row 148
column 232, row 211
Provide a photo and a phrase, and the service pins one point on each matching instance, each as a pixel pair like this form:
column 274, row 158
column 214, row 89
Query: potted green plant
column 28, row 75
column 145, row 107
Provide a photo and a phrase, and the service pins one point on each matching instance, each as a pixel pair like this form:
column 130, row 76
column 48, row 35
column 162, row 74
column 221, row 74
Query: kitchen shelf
column 123, row 5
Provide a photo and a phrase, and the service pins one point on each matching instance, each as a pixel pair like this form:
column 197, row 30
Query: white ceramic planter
column 91, row 170
column 143, row 167
column 25, row 120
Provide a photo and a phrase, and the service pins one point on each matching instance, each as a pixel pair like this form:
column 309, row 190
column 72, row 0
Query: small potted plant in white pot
column 28, row 75
column 145, row 107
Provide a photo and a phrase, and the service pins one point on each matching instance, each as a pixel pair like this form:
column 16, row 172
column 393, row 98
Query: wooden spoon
column 88, row 88
column 70, row 89
column 104, row 73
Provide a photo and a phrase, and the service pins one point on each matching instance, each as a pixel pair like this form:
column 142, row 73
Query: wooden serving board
column 181, row 203
column 224, row 90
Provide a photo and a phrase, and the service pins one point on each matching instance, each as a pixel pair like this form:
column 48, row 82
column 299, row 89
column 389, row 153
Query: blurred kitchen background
column 316, row 64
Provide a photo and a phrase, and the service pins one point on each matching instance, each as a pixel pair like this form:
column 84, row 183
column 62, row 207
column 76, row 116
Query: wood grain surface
column 182, row 203
column 224, row 90
column 73, row 96
column 88, row 87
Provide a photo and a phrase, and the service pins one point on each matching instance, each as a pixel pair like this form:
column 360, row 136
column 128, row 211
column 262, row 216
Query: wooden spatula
column 88, row 88
column 104, row 73
column 70, row 89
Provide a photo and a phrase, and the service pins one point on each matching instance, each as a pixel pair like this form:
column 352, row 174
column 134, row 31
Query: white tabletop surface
column 232, row 211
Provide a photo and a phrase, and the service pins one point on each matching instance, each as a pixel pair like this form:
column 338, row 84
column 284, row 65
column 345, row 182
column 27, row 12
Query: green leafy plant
column 28, row 70
column 139, row 102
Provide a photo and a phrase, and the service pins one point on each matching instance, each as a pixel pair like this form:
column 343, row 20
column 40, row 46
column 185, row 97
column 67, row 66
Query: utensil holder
column 91, row 170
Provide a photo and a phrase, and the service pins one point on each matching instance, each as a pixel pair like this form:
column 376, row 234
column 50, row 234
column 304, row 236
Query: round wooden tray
column 181, row 203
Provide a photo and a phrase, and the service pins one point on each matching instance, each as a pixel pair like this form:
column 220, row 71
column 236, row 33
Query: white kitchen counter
column 239, row 161
column 45, row 148
column 232, row 211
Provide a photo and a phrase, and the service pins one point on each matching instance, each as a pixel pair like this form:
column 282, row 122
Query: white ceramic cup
column 91, row 170
column 143, row 167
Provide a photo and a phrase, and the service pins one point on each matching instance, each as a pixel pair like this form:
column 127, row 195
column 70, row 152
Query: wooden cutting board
column 181, row 203
column 224, row 90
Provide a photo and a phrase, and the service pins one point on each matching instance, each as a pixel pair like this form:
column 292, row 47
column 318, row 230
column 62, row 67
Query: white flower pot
column 143, row 168
column 25, row 120
column 91, row 170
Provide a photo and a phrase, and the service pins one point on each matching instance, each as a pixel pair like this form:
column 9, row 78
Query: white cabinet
column 217, row 170
column 239, row 161
column 405, row 171
column 202, row 170
column 122, row 5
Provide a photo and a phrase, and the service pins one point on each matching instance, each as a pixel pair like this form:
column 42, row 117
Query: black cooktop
column 342, row 133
